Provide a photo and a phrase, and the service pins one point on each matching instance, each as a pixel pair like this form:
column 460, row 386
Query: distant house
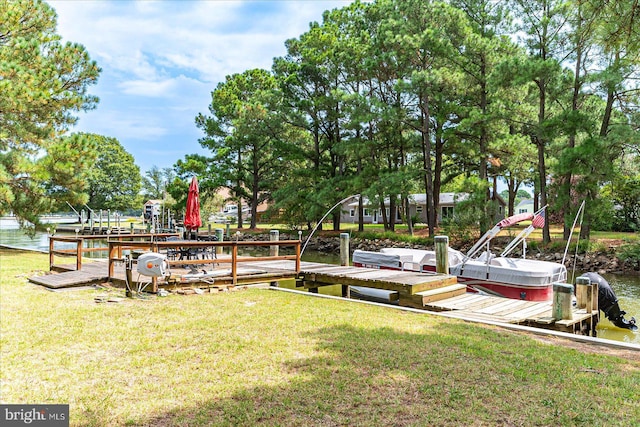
column 230, row 207
column 417, row 207
column 525, row 206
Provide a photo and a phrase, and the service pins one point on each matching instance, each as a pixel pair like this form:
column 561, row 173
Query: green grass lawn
column 261, row 357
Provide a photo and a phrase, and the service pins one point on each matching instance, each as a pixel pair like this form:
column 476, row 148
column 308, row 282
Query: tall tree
column 155, row 182
column 245, row 134
column 544, row 24
column 311, row 77
column 114, row 180
column 42, row 83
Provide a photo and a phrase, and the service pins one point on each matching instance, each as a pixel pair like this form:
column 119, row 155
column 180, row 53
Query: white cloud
column 161, row 60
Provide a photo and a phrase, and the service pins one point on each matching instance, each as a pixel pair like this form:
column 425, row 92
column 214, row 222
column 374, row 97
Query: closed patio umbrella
column 192, row 219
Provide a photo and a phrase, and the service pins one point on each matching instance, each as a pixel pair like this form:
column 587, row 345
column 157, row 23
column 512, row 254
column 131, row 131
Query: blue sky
column 160, row 61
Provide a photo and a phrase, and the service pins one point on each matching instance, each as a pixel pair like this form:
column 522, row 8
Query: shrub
column 630, row 254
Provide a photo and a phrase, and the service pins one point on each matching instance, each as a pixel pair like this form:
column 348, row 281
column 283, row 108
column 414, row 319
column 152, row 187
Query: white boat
column 518, row 278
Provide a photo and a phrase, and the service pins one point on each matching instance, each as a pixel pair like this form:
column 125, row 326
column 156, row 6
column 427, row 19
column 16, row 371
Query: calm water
column 626, row 287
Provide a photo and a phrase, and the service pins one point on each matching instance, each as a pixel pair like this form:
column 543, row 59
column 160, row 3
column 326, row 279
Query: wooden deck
column 502, row 310
column 220, row 275
column 432, row 292
column 94, row 272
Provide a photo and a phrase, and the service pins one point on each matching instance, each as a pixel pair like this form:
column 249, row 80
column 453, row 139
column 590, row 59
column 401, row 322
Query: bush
column 584, row 246
column 414, row 240
column 630, row 254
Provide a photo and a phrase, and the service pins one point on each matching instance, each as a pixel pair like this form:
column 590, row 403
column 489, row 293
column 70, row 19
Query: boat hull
column 522, row 279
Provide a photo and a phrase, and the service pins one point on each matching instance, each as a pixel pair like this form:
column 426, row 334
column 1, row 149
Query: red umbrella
column 192, row 216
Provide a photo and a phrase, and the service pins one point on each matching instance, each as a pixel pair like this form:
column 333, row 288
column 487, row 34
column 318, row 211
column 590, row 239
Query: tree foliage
column 114, row 179
column 42, row 83
column 393, row 97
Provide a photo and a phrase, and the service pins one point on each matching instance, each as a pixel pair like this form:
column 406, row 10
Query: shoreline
column 600, row 261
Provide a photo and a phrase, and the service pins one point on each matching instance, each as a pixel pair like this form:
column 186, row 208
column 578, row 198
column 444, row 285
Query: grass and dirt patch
column 261, row 357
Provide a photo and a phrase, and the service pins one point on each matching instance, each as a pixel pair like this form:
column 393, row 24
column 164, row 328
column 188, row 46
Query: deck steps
column 425, row 297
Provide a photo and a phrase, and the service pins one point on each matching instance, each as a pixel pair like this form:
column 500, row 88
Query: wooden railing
column 80, row 248
column 116, row 249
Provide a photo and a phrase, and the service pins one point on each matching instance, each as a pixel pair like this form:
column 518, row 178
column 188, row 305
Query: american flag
column 538, row 220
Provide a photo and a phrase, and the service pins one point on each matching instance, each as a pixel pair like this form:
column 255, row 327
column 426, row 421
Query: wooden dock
column 409, row 288
column 503, row 310
column 432, row 292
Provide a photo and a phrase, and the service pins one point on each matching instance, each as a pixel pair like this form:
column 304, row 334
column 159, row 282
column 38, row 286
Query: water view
column 626, row 287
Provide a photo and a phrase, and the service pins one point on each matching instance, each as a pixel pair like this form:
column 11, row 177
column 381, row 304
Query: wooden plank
column 467, row 315
column 461, row 298
column 571, row 322
column 546, row 320
column 533, row 311
column 68, row 279
column 458, row 303
column 431, row 292
column 508, row 311
column 478, row 304
column 327, row 269
column 469, row 300
column 500, row 306
column 441, row 293
column 408, row 283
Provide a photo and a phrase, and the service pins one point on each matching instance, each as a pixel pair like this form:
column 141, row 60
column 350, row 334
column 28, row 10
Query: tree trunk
column 392, row 213
column 408, row 215
column 426, row 161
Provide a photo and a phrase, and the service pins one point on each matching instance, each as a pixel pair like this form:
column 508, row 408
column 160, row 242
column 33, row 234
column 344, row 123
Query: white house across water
column 372, row 212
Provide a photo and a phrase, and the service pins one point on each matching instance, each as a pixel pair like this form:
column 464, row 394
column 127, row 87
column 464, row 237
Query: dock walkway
column 432, row 292
column 93, row 272
column 530, row 313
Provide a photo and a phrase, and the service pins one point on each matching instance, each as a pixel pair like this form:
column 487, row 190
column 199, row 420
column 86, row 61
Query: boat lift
column 507, row 222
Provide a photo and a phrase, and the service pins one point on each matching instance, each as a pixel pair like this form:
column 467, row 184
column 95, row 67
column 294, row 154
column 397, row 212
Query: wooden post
column 442, row 254
column 274, row 250
column 298, row 257
column 234, row 262
column 344, row 249
column 274, row 236
column 219, row 238
column 79, row 254
column 346, row 291
column 592, row 302
column 51, row 240
column 582, row 283
column 588, row 297
column 594, row 296
column 562, row 293
column 129, row 275
column 112, row 256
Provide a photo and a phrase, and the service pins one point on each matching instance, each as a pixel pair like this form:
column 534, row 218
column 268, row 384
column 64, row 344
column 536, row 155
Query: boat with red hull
column 509, row 277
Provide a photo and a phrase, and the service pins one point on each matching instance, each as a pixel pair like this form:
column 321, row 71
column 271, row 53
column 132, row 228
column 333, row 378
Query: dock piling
column 583, row 292
column 344, row 249
column 274, row 236
column 442, row 254
column 562, row 293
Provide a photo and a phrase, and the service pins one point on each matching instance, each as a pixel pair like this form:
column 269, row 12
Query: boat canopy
column 522, row 271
